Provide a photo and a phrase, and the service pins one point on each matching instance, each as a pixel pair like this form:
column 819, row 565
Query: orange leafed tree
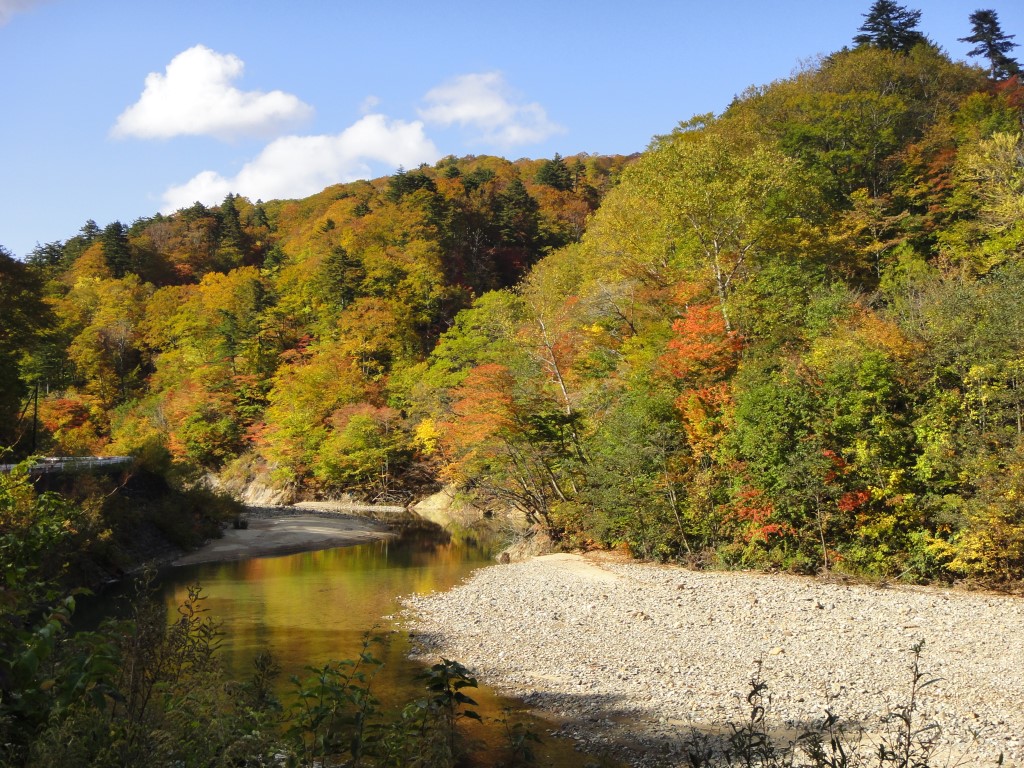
column 702, row 354
column 483, row 414
column 489, row 441
column 702, row 350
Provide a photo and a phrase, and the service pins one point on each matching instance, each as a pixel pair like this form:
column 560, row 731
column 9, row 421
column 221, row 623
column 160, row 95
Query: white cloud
column 195, row 97
column 297, row 166
column 10, row 7
column 485, row 102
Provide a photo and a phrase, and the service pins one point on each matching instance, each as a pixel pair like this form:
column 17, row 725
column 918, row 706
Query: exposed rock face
column 247, row 480
column 534, row 541
column 448, row 510
column 256, row 494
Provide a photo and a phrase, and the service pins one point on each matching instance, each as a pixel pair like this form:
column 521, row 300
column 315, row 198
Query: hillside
column 786, row 336
column 281, row 329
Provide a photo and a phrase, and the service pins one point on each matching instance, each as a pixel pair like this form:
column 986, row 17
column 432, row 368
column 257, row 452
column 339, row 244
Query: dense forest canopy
column 785, row 335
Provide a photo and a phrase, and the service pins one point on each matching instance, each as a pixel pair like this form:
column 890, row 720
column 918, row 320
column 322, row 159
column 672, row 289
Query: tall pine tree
column 116, row 251
column 890, row 26
column 555, row 173
column 990, row 42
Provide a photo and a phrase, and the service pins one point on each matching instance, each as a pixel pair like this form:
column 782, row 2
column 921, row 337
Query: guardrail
column 72, row 465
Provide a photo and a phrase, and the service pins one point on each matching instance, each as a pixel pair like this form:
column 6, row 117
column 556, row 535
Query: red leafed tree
column 755, row 511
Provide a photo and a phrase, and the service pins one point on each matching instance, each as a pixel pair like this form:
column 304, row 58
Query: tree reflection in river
column 313, row 607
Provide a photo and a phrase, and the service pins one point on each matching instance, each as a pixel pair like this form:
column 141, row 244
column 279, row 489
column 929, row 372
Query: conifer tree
column 230, row 223
column 517, row 215
column 116, row 251
column 890, row 26
column 555, row 173
column 991, row 42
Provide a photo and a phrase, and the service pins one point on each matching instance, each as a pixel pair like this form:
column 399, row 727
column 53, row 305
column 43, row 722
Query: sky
column 117, row 109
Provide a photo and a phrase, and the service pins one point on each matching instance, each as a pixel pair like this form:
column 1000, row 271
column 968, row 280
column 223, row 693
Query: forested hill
column 791, row 335
column 286, row 330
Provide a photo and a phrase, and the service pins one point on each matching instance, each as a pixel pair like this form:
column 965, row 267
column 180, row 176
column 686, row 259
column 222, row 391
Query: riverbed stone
column 642, row 646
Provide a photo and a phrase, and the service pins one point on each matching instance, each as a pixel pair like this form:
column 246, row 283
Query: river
column 314, row 607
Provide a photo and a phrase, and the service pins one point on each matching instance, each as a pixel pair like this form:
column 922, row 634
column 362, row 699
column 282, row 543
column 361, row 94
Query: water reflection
column 314, row 607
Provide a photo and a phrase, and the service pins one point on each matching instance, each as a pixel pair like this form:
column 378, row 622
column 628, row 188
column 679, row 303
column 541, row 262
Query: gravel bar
column 630, row 658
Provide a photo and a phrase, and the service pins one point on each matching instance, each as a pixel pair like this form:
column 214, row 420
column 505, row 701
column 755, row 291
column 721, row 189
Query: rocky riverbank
column 631, row 658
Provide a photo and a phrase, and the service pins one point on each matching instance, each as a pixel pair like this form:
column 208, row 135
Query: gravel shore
column 272, row 531
column 628, row 658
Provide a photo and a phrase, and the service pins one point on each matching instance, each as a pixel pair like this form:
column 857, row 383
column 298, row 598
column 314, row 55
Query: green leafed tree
column 991, row 42
column 890, row 26
column 727, row 202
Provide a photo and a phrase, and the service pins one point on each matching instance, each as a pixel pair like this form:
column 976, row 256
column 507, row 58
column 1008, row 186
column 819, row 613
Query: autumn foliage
column 788, row 335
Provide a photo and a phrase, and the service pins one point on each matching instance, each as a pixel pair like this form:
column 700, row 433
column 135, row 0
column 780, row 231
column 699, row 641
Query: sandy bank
column 631, row 657
column 287, row 533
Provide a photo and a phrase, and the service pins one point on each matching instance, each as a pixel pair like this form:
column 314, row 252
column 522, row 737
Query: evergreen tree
column 232, row 248
column 195, row 212
column 230, row 223
column 140, row 225
column 259, row 215
column 890, row 26
column 990, row 42
column 476, row 179
column 77, row 245
column 89, row 231
column 406, row 182
column 341, row 278
column 555, row 173
column 48, row 255
column 517, row 215
column 116, row 251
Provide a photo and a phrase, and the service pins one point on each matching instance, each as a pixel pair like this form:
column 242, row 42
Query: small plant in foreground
column 333, row 709
column 446, row 681
column 906, row 743
column 520, row 739
column 910, row 744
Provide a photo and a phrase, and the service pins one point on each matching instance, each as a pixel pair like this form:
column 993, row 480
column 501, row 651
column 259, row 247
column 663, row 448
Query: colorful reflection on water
column 314, row 607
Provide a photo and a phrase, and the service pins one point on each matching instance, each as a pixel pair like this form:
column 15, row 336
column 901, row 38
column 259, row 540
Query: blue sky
column 116, row 109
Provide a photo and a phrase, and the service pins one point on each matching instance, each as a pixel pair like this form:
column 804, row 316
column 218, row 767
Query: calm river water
column 315, row 607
